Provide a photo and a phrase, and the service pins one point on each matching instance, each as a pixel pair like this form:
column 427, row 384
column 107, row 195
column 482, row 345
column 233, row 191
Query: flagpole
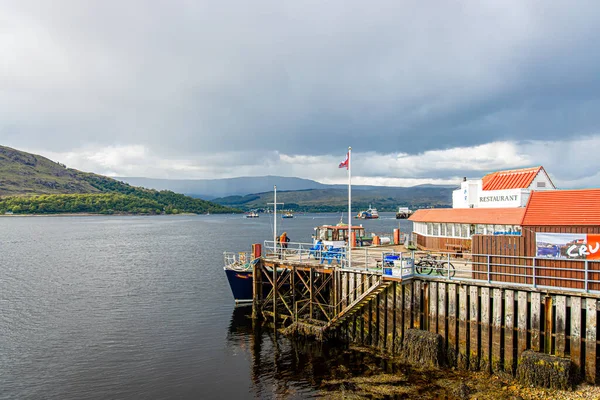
column 275, row 219
column 349, row 207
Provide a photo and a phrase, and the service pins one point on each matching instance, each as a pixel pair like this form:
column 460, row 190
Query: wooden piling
column 536, row 318
column 399, row 315
column 426, row 306
column 433, row 307
column 509, row 331
column 561, row 317
column 590, row 340
column 548, row 322
column 441, row 307
column 452, row 333
column 463, row 333
column 484, row 358
column 474, row 337
column 522, row 307
column 408, row 302
column 391, row 318
column 497, row 331
column 417, row 305
column 576, row 332
column 257, row 290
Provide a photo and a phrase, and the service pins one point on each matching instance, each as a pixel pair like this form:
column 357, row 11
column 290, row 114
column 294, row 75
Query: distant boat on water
column 370, row 213
column 288, row 214
column 403, row 213
column 252, row 214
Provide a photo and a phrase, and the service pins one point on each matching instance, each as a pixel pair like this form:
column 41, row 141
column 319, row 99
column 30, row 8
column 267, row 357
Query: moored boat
column 288, row 214
column 337, row 235
column 252, row 214
column 238, row 269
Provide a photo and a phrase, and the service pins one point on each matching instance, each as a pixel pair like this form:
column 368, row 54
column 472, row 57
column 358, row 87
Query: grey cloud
column 309, row 77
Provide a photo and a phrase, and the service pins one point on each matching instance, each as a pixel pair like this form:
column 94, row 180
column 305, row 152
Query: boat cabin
column 336, row 235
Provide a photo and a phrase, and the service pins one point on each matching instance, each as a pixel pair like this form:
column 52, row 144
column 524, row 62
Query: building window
column 457, row 231
column 429, row 228
column 468, row 230
column 442, row 229
column 436, row 229
column 541, row 184
column 479, row 229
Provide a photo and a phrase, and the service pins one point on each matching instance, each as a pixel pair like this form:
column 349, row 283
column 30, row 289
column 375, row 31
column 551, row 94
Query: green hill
column 31, row 183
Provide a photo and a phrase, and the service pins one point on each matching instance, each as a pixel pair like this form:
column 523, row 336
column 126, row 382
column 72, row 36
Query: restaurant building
column 493, row 205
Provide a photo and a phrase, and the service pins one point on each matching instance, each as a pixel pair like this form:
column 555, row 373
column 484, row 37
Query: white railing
column 239, row 258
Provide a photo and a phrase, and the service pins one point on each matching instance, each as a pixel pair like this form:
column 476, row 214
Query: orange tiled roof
column 504, row 216
column 511, row 179
column 563, row 207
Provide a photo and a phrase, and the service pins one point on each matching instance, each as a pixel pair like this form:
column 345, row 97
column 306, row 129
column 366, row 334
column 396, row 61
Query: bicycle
column 429, row 263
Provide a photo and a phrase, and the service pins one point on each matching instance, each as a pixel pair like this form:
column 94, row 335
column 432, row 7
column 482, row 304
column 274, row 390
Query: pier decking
column 488, row 312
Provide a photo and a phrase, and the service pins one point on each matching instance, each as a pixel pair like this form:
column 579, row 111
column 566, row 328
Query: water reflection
column 285, row 368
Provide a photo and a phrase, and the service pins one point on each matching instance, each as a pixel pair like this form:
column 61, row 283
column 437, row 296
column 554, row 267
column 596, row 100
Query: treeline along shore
column 108, row 203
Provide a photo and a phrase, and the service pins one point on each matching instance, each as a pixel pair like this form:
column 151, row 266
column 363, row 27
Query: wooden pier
column 485, row 326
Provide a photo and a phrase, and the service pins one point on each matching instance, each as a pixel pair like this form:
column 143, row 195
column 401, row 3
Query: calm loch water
column 139, row 307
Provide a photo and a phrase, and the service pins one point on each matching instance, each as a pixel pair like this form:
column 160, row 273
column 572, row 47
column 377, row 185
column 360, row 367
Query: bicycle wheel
column 424, row 267
column 445, row 267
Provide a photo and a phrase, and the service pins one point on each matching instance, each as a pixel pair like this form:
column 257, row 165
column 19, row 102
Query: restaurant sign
column 568, row 245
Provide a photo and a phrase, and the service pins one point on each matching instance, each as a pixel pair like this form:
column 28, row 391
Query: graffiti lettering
column 582, row 250
column 570, row 251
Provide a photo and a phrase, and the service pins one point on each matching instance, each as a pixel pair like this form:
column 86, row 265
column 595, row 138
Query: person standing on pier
column 284, row 239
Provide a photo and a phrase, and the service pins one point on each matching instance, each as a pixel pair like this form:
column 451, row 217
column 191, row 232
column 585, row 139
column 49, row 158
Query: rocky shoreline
column 391, row 378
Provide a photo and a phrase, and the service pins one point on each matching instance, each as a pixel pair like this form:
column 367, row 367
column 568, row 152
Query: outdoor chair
column 332, row 253
column 316, row 250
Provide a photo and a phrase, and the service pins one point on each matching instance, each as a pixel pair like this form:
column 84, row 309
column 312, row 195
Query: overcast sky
column 423, row 91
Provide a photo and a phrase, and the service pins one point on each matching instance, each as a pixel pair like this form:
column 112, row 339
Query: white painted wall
column 467, row 194
column 543, row 178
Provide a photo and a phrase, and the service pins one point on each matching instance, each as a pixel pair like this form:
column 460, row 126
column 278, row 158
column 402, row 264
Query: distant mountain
column 212, row 188
column 327, row 200
column 30, row 183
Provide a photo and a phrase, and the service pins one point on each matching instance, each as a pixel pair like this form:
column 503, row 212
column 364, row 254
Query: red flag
column 345, row 163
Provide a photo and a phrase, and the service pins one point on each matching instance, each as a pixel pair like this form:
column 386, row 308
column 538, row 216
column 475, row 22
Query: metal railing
column 573, row 275
column 241, row 258
column 305, row 253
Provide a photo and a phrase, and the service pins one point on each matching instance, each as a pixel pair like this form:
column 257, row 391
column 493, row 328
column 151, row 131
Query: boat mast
column 274, row 218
